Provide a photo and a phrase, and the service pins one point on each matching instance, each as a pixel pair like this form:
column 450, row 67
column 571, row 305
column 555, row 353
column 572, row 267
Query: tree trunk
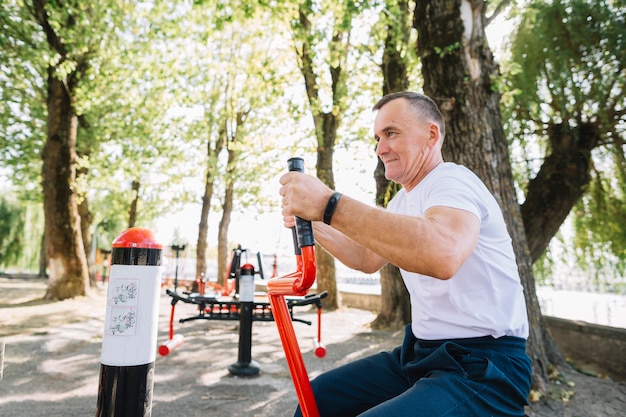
column 560, row 183
column 395, row 303
column 326, row 270
column 43, row 260
column 68, row 271
column 227, row 209
column 457, row 66
column 85, row 225
column 326, row 122
column 132, row 211
column 222, row 235
column 203, row 228
column 67, row 263
column 395, row 310
column 86, row 218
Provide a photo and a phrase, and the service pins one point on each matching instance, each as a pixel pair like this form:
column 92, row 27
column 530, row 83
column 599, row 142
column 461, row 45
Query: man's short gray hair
column 424, row 106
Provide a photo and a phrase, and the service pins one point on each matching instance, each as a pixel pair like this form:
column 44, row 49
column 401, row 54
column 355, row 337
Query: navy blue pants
column 478, row 377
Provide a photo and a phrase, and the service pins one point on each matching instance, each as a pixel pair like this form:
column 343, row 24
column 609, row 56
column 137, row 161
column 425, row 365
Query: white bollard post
column 131, row 326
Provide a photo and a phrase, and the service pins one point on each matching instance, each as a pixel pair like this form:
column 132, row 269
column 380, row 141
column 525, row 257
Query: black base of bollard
column 244, row 368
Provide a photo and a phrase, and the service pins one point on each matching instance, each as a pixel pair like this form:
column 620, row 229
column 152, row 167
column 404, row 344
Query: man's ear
column 433, row 134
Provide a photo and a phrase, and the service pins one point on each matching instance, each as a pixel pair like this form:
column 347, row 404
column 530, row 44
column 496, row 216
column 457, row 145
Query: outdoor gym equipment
column 128, row 355
column 131, row 326
column 296, row 283
column 237, row 300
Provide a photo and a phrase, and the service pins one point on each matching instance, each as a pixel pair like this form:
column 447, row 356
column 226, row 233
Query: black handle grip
column 296, row 245
column 304, row 228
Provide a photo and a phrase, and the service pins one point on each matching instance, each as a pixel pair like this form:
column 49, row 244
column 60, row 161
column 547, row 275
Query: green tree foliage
column 21, row 229
column 26, row 56
column 99, row 52
column 600, row 227
column 22, row 96
column 326, row 39
column 567, row 77
column 164, row 79
column 134, row 134
column 235, row 83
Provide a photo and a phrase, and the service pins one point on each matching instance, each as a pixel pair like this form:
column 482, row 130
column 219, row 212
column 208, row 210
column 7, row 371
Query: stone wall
column 599, row 350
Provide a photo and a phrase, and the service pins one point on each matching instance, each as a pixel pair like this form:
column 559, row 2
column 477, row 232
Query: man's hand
column 289, row 221
column 304, row 196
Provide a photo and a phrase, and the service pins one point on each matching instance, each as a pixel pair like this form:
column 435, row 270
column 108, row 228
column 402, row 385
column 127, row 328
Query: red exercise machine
column 297, row 283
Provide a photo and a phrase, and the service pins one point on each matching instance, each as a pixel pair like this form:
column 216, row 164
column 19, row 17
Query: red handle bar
column 296, row 283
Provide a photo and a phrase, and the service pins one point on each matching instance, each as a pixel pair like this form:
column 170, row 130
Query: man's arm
column 436, row 244
column 349, row 252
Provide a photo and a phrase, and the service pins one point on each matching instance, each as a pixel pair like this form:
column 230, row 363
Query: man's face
column 403, row 142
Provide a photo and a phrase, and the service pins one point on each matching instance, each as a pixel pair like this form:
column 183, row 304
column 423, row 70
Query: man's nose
column 381, row 148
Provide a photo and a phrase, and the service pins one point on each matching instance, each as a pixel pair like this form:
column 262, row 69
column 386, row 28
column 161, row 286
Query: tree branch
column 41, row 16
column 499, row 9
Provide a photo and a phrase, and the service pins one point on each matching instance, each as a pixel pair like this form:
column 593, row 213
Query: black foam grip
column 304, row 228
column 295, row 164
column 296, row 245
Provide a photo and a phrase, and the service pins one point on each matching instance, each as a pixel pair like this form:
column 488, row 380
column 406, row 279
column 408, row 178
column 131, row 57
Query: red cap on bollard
column 136, row 237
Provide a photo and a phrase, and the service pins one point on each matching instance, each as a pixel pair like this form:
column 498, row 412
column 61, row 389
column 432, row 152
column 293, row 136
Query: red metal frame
column 173, row 340
column 296, row 283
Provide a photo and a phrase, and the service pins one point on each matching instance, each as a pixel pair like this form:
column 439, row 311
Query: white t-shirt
column 485, row 296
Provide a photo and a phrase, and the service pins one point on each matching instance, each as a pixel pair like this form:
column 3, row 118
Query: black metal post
column 245, row 366
column 177, row 249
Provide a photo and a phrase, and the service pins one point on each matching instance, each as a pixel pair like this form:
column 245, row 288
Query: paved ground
column 52, row 369
column 52, row 362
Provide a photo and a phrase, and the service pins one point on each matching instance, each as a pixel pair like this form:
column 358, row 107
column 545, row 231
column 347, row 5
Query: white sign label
column 132, row 316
